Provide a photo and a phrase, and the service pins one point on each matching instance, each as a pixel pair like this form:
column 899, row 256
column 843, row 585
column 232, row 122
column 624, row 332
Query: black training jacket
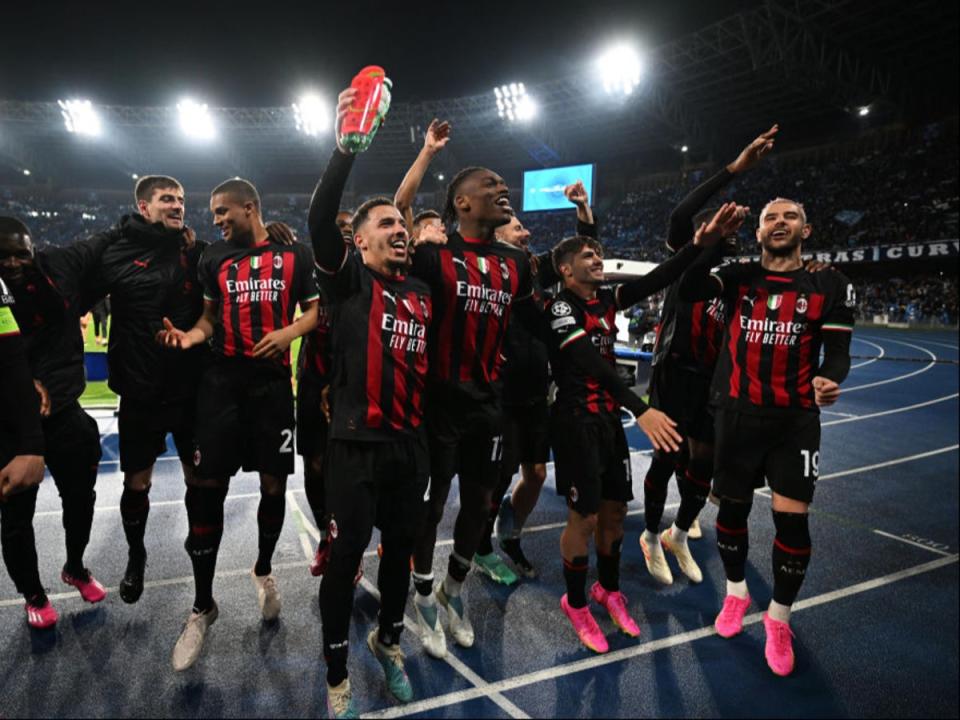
column 150, row 274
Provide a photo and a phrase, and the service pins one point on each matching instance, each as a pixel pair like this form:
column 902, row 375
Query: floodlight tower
column 311, row 115
column 195, row 120
column 514, row 104
column 620, row 69
column 80, row 118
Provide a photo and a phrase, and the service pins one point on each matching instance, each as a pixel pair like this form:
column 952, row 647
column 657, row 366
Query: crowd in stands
column 906, row 191
column 925, row 298
column 895, row 192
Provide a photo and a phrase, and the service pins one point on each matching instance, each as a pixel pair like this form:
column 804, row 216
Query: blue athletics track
column 876, row 623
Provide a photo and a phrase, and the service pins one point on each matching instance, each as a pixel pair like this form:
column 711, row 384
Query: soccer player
column 251, row 287
column 377, row 461
column 768, row 388
column 21, row 467
column 476, row 284
column 590, row 448
column 526, row 442
column 47, row 287
column 150, row 272
column 526, row 445
column 684, row 359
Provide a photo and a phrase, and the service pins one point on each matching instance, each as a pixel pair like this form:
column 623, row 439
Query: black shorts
column 143, row 427
column 750, row 449
column 245, row 420
column 312, row 426
column 385, row 484
column 592, row 460
column 71, row 440
column 526, row 435
column 465, row 440
column 684, row 395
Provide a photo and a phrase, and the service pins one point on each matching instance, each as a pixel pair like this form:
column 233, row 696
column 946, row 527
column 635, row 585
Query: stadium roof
column 807, row 64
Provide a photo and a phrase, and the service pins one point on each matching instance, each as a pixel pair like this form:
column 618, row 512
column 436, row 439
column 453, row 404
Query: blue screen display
column 543, row 189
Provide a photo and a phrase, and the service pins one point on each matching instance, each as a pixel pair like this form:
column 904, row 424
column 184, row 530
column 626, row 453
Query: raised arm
column 582, row 354
column 680, row 230
column 725, row 222
column 436, row 138
column 586, row 225
column 329, row 249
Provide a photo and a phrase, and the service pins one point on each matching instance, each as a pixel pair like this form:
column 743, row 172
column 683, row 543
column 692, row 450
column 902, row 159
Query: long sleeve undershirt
column 680, row 230
column 329, row 249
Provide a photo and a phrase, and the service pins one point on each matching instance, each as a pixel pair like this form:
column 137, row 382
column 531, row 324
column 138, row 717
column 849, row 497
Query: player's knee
column 584, row 525
column 535, row 473
column 696, row 479
column 789, row 505
column 793, row 529
column 733, row 514
column 273, row 485
column 139, row 481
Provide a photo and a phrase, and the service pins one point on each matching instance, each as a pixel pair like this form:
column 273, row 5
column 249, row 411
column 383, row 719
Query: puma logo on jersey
column 461, row 261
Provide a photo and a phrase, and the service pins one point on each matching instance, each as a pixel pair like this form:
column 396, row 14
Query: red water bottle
column 368, row 109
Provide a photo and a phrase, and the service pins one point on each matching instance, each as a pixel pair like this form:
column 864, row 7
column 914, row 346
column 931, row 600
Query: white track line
column 893, row 411
column 929, row 548
column 305, row 526
column 647, row 648
column 888, row 463
column 898, row 378
column 871, row 360
column 765, row 493
column 930, row 342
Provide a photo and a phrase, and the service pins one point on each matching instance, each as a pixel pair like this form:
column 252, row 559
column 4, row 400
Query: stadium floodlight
column 440, row 177
column 513, row 103
column 311, row 115
column 620, row 68
column 195, row 120
column 864, row 111
column 26, row 172
column 134, row 176
column 684, row 148
column 80, row 117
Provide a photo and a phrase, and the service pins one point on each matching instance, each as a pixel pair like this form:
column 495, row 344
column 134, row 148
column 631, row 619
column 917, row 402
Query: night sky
column 150, row 52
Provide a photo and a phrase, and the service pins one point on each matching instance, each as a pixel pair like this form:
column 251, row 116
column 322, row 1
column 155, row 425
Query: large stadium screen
column 543, row 189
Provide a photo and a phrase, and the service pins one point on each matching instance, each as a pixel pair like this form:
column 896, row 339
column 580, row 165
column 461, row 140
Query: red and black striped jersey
column 473, row 284
column 380, row 326
column 690, row 333
column 570, row 317
column 314, row 354
column 776, row 322
column 256, row 290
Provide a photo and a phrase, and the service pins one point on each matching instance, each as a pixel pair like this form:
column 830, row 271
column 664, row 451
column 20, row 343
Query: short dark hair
column 240, row 189
column 149, row 184
column 449, row 209
column 568, row 247
column 363, row 212
column 426, row 215
column 12, row 226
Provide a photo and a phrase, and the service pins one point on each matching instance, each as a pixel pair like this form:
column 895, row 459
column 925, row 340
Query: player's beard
column 783, row 250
